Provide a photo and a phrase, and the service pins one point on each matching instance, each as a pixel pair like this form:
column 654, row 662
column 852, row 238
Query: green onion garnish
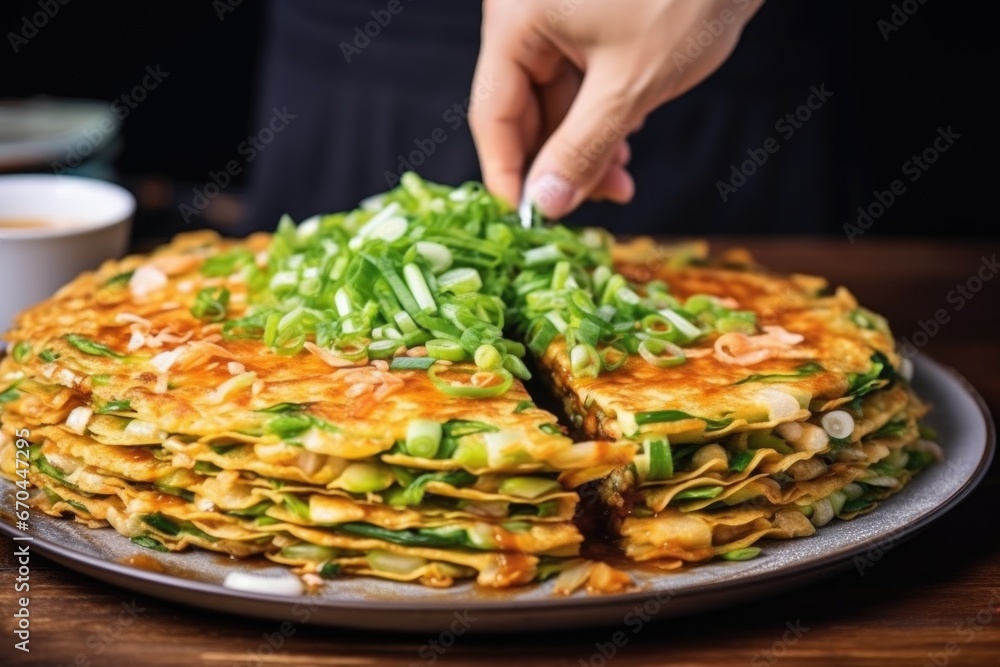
column 746, row 553
column 91, row 347
column 211, row 303
column 660, row 416
column 448, row 350
column 21, row 351
column 423, row 438
column 411, row 363
column 661, row 464
column 503, row 381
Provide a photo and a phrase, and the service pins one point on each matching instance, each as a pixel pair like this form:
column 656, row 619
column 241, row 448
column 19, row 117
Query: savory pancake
column 346, row 396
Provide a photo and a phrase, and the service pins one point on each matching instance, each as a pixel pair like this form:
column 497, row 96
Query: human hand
column 571, row 79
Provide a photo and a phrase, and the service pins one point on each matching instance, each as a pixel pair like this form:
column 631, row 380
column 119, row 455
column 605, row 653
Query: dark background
column 937, row 70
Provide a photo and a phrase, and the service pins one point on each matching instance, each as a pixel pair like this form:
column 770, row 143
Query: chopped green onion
column 661, row 464
column 448, row 350
column 253, row 511
column 460, row 281
column 547, row 254
column 411, row 363
column 21, row 351
column 119, row 279
column 308, row 552
column 423, row 438
column 809, row 368
column 387, row 561
column 487, row 357
column 746, row 553
column 838, row 424
column 523, row 405
column 613, row 357
column 418, row 287
column 211, row 303
column 699, row 492
column 296, row 506
column 740, row 462
column 382, row 349
column 48, row 356
column 437, row 255
column 226, row 263
column 660, row 416
column 516, row 367
column 661, row 353
column 329, row 570
column 10, row 394
column 364, row 477
column 541, row 335
column 162, row 524
column 585, row 361
column 91, row 347
column 149, row 543
column 685, row 329
column 206, row 468
column 461, row 390
column 529, row 487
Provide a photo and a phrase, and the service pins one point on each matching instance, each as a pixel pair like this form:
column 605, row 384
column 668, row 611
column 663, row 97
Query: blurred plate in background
column 45, row 134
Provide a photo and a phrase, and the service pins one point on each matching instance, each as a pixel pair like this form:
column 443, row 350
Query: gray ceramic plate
column 960, row 416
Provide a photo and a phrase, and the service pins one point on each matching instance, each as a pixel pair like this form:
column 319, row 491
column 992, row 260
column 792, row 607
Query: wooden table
column 938, row 593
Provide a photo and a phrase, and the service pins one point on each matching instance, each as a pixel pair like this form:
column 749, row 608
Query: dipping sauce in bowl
column 52, row 228
column 31, row 223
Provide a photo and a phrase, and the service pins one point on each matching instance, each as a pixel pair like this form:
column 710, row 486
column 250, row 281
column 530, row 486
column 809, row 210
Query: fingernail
column 552, row 195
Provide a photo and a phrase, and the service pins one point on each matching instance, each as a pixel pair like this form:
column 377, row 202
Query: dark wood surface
column 933, row 600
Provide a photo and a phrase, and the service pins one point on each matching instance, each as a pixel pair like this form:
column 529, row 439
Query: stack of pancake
column 769, row 433
column 345, row 397
column 145, row 417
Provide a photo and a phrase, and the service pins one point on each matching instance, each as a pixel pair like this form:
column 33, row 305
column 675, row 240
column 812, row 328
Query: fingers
column 616, row 184
column 501, row 123
column 576, row 161
column 506, row 124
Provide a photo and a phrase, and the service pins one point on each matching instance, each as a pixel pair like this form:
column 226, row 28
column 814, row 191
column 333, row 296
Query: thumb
column 574, row 160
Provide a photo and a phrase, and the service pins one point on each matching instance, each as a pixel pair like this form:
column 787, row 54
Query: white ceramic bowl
column 84, row 222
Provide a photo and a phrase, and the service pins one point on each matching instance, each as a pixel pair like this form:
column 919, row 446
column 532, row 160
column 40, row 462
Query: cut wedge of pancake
column 765, row 433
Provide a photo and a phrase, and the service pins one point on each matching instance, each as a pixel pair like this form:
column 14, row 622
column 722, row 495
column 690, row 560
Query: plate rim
column 111, row 571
